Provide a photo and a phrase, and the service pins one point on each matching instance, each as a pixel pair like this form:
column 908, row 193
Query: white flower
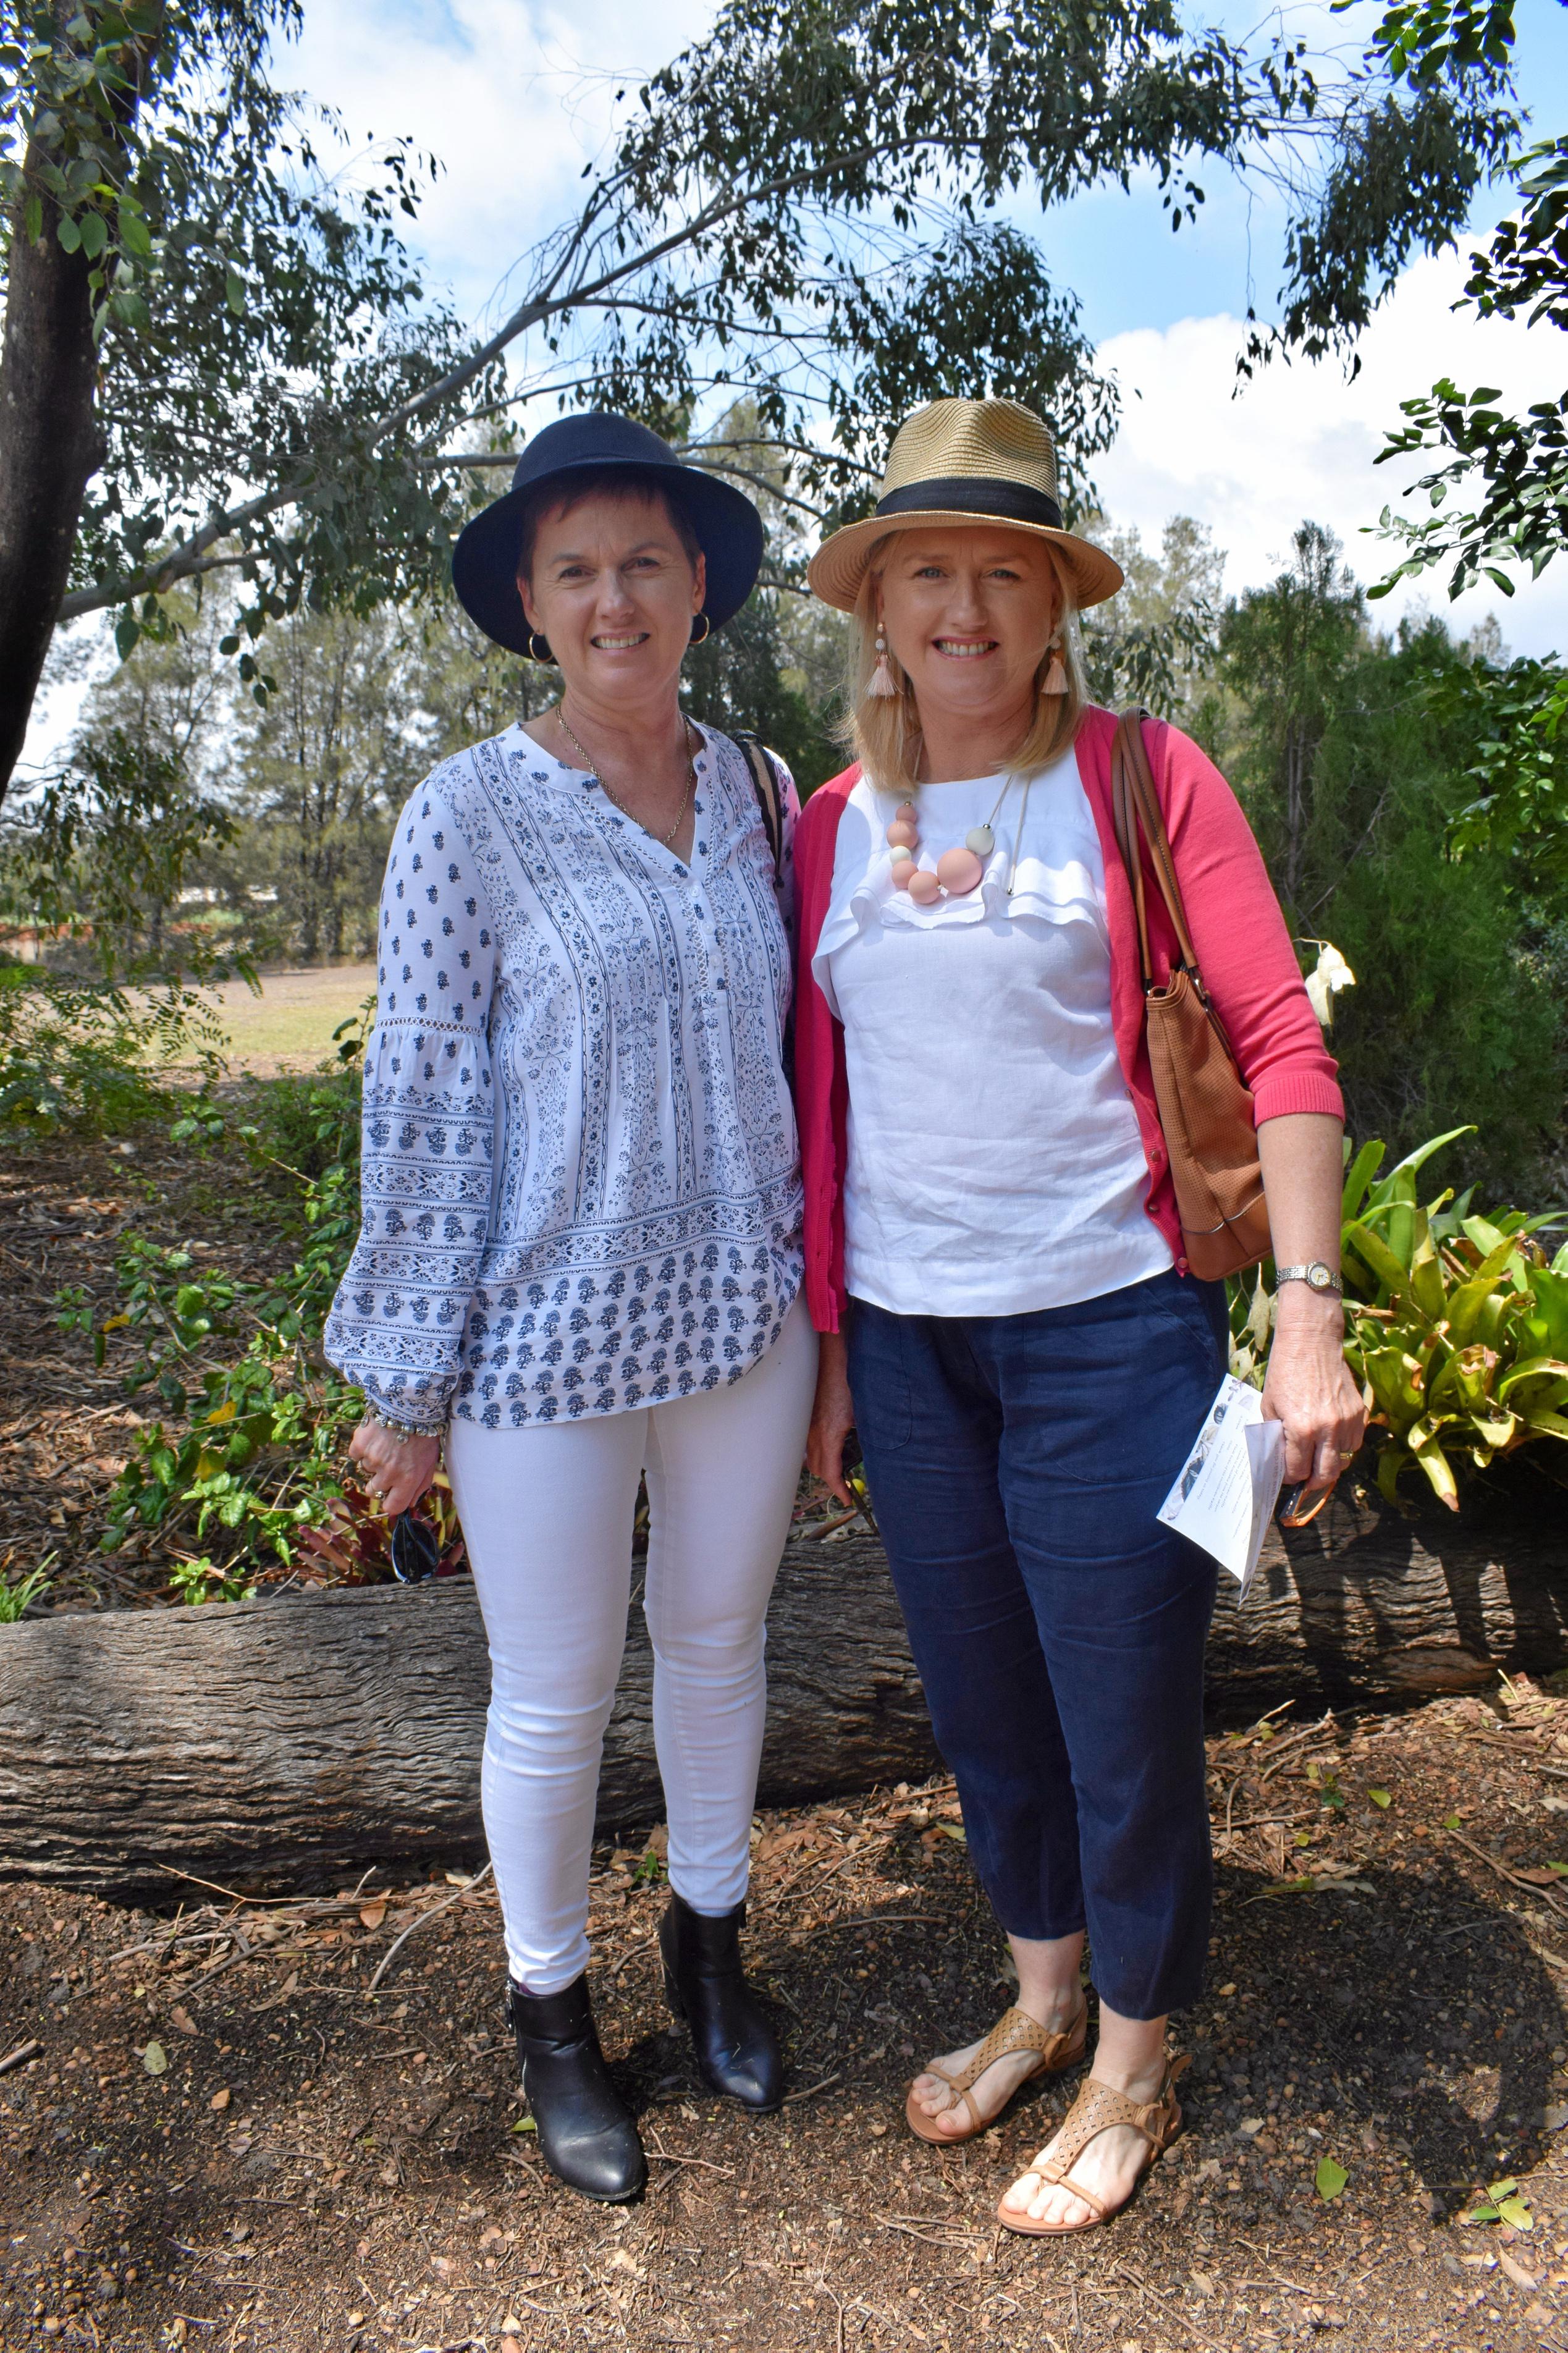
column 1324, row 984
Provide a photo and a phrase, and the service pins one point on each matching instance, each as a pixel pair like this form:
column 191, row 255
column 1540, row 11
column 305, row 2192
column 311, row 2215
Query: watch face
column 1319, row 1276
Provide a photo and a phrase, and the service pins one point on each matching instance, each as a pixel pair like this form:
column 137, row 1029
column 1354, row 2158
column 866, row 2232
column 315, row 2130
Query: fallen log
column 289, row 1741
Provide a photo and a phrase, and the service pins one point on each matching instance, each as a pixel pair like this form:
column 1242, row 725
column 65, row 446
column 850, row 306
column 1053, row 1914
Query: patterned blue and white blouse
column 581, row 1188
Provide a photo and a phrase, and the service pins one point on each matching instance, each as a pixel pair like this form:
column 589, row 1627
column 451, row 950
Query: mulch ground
column 255, row 2124
column 66, row 1427
column 252, row 2123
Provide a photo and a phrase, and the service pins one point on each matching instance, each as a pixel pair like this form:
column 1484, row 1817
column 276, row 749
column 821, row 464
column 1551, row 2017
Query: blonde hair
column 884, row 731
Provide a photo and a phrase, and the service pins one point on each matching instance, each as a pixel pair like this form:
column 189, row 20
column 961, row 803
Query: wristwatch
column 1316, row 1276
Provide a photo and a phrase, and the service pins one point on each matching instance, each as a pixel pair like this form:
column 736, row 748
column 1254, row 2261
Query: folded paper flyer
column 1227, row 1489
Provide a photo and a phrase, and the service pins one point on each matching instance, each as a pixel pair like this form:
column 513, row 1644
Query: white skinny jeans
column 547, row 1513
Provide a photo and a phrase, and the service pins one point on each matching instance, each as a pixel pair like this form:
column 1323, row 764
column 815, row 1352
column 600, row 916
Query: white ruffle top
column 995, row 1163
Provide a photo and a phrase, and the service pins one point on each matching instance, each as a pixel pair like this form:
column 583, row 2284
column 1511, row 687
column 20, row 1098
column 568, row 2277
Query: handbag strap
column 1135, row 807
column 768, row 792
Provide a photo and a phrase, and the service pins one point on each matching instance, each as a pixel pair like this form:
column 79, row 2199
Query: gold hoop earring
column 539, row 649
column 707, row 629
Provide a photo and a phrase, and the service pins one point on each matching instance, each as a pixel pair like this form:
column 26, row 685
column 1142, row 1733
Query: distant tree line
column 200, row 826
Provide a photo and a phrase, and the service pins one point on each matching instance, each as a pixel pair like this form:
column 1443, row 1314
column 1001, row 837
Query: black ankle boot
column 586, row 2136
column 737, row 2050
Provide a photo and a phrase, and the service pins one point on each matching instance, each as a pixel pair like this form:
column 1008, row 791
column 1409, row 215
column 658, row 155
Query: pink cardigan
column 1243, row 948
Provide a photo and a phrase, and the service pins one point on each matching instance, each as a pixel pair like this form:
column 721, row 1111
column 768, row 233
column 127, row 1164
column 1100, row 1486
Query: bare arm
column 1309, row 1388
column 832, row 1417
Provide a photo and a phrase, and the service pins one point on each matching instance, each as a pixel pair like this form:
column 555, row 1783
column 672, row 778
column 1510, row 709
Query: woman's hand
column 832, row 1418
column 395, row 1470
column 1311, row 1389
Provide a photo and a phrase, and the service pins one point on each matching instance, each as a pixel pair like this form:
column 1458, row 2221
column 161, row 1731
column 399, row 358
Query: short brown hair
column 624, row 484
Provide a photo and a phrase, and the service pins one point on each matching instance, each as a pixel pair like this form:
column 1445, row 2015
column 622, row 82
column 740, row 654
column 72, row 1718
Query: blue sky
column 1118, row 250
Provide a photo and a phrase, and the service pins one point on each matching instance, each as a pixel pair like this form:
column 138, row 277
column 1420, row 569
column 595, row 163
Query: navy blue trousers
column 1016, row 1465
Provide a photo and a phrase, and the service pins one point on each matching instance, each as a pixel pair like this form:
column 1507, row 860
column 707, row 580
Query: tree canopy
column 806, row 203
column 1516, row 467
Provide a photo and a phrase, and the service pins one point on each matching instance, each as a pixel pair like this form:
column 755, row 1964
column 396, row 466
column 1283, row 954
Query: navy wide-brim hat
column 728, row 528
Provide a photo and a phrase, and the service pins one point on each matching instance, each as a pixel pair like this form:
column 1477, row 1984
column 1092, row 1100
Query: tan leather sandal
column 1013, row 2031
column 1096, row 2109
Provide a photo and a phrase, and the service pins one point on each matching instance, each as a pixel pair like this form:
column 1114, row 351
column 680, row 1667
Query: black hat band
column 971, row 495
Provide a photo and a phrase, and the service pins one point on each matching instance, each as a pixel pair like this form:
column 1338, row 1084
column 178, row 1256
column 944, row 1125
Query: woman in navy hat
column 580, row 1262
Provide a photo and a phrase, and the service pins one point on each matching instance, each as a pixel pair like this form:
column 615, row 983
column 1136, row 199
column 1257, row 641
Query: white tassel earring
column 1056, row 679
column 882, row 686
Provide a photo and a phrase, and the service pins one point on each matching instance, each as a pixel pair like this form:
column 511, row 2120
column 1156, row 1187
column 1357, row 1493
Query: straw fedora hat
column 974, row 461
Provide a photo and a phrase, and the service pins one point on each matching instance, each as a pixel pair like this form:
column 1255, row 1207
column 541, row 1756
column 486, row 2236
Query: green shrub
column 244, row 1466
column 90, row 1054
column 1455, row 1324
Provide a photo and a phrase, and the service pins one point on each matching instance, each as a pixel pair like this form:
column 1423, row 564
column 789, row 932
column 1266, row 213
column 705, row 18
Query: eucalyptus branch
column 156, row 579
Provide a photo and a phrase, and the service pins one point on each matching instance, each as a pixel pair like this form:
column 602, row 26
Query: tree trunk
column 286, row 1742
column 49, row 448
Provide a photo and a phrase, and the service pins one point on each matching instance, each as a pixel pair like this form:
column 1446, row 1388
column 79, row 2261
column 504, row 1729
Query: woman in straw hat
column 995, row 1263
column 581, row 1253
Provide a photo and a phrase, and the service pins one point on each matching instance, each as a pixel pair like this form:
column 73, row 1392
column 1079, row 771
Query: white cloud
column 512, row 98
column 1301, row 442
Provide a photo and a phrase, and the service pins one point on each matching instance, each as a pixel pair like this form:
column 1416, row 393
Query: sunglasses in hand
column 1297, row 1508
column 416, row 1550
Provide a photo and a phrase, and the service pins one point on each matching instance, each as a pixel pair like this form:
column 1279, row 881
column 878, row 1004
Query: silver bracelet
column 402, row 1430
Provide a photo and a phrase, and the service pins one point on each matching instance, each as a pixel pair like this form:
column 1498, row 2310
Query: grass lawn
column 290, row 1026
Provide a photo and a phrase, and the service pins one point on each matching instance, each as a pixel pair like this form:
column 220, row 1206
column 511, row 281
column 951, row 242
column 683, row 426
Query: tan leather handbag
column 1204, row 1109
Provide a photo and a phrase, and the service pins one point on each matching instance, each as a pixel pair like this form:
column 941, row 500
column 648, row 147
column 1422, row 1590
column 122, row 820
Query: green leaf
column 94, row 235
column 1330, row 2178
column 127, row 631
column 127, row 305
column 1514, row 2210
column 1440, row 1472
column 1380, row 1798
column 134, row 235
column 234, row 289
column 68, row 234
column 1362, row 1169
column 1393, row 1459
column 525, row 2124
column 1485, row 1236
column 155, row 2059
column 1412, row 1161
column 1385, row 1267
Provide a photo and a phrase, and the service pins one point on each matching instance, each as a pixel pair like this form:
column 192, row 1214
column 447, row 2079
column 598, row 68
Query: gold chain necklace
column 663, row 839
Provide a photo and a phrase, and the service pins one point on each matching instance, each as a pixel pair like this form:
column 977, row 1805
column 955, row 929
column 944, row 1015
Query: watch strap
column 1315, row 1274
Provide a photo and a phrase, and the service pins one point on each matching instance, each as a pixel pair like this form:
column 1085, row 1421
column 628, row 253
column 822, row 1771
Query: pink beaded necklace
column 959, row 871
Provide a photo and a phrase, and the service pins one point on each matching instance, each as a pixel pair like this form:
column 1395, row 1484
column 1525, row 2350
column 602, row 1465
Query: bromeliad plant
column 1456, row 1323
